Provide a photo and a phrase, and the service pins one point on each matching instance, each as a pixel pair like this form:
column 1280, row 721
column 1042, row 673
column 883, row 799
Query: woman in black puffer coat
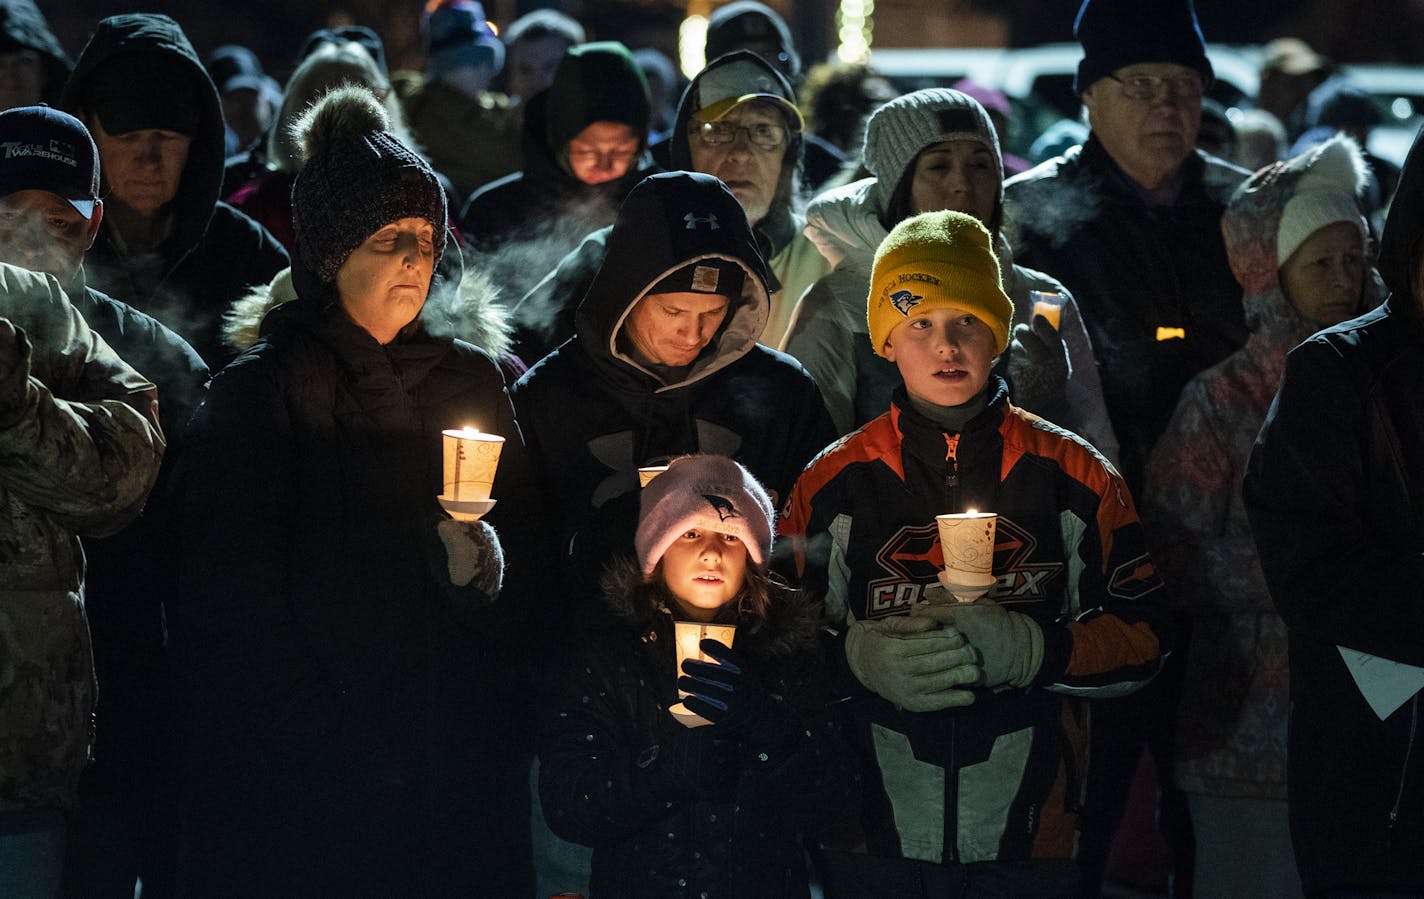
column 345, row 651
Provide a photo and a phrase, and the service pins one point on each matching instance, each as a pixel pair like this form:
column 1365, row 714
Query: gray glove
column 473, row 555
column 913, row 662
column 1010, row 644
column 1039, row 369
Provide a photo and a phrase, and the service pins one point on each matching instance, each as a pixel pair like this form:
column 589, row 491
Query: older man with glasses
column 1130, row 223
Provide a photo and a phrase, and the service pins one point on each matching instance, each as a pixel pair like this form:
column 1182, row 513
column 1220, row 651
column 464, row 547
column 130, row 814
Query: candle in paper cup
column 689, row 636
column 471, row 458
column 1049, row 304
column 648, row 472
column 967, row 541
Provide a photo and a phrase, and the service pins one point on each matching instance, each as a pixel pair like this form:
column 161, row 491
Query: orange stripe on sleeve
column 1107, row 643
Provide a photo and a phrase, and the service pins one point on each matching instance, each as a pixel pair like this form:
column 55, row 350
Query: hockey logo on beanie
column 933, row 260
column 703, row 492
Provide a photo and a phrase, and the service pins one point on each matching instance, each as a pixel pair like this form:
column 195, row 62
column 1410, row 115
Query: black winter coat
column 213, row 254
column 1335, row 493
column 1133, row 269
column 607, row 750
column 132, row 575
column 593, row 416
column 350, row 720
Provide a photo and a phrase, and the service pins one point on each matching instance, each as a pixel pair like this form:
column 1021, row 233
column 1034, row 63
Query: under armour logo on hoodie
column 693, row 220
column 722, row 506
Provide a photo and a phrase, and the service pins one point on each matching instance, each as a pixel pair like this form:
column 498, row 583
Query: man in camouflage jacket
column 80, row 446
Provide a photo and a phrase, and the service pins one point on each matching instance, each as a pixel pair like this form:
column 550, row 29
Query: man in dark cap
column 167, row 245
column 250, row 96
column 469, row 133
column 32, row 63
column 536, row 42
column 50, row 213
column 1130, row 223
column 1290, row 72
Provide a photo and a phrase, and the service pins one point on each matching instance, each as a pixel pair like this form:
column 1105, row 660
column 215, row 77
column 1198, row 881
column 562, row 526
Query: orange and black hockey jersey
column 1001, row 778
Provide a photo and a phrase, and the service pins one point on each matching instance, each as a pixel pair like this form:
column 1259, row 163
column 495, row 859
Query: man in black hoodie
column 167, row 245
column 664, row 362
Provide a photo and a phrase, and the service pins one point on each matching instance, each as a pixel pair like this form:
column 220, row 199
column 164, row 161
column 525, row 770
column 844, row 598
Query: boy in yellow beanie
column 971, row 716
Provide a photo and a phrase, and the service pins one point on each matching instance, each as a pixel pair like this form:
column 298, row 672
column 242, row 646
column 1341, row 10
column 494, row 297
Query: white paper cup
column 648, row 472
column 689, row 636
column 967, row 541
column 471, row 458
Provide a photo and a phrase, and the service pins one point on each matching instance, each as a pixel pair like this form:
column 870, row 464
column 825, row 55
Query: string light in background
column 855, row 28
column 692, row 45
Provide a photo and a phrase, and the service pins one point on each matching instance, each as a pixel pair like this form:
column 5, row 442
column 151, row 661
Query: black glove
column 738, row 704
column 1039, row 369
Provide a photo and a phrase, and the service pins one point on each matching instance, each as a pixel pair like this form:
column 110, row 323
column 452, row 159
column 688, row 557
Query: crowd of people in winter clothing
column 747, row 353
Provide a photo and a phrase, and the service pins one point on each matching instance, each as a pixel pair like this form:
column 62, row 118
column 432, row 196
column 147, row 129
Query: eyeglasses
column 1151, row 87
column 762, row 134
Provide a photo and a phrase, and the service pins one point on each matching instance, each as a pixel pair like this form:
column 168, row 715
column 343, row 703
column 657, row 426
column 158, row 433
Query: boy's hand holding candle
column 912, row 662
column 1009, row 644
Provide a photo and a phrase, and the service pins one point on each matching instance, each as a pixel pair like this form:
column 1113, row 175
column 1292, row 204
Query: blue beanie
column 459, row 36
column 1117, row 33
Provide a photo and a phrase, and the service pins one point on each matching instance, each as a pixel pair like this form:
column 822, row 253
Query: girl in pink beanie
column 717, row 809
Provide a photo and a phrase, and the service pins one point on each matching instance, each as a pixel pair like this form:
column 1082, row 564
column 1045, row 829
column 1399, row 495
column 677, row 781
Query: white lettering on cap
column 57, row 151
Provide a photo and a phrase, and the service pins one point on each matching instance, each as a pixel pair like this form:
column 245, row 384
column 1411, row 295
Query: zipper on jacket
column 1404, row 770
column 951, row 456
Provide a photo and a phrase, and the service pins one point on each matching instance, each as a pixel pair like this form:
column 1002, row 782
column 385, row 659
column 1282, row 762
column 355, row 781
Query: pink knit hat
column 708, row 493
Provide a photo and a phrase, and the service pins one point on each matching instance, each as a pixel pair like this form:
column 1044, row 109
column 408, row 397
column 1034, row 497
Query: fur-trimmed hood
column 470, row 311
column 790, row 627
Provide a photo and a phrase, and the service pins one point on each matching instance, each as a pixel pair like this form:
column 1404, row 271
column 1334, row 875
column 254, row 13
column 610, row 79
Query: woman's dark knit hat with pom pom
column 356, row 179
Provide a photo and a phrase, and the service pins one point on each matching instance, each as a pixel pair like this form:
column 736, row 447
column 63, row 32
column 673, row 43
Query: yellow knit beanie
column 937, row 259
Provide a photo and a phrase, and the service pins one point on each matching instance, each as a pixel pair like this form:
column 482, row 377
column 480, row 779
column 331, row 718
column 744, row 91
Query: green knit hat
column 932, row 260
column 597, row 82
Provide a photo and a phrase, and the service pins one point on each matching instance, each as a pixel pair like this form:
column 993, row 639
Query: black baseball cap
column 44, row 149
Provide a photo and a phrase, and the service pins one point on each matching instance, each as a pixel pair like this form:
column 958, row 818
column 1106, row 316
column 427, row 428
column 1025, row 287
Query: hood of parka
column 198, row 191
column 668, row 221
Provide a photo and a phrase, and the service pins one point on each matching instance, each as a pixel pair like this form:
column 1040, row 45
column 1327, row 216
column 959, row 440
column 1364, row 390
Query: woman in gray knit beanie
column 933, row 150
